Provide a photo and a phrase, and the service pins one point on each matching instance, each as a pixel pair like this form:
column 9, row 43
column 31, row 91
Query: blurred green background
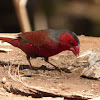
column 80, row 16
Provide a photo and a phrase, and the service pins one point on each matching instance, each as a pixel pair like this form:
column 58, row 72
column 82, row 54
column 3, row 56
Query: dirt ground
column 63, row 81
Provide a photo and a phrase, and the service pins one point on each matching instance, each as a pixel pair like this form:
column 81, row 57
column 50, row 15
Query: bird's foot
column 56, row 68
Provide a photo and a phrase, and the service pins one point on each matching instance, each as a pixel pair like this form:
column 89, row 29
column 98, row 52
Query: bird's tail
column 12, row 41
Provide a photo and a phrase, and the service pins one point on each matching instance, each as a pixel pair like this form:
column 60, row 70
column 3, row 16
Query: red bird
column 45, row 43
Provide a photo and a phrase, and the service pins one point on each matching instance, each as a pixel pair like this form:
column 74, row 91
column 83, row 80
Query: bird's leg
column 28, row 59
column 46, row 59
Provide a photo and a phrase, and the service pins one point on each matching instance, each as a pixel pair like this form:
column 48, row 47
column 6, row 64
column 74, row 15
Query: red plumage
column 45, row 43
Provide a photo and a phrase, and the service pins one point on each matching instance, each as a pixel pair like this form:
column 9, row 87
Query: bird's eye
column 72, row 43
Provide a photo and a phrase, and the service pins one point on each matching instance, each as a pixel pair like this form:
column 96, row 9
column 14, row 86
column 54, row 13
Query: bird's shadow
column 43, row 67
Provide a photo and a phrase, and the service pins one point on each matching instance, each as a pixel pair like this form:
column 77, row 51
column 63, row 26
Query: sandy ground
column 66, row 80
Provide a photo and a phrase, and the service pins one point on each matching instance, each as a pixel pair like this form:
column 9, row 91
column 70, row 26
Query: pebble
column 4, row 80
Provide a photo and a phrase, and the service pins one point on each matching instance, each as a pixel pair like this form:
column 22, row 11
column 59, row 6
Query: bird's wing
column 37, row 38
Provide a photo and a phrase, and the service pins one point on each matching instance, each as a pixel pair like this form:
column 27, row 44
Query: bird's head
column 70, row 41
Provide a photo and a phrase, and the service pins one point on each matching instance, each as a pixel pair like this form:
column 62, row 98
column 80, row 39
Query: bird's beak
column 75, row 50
